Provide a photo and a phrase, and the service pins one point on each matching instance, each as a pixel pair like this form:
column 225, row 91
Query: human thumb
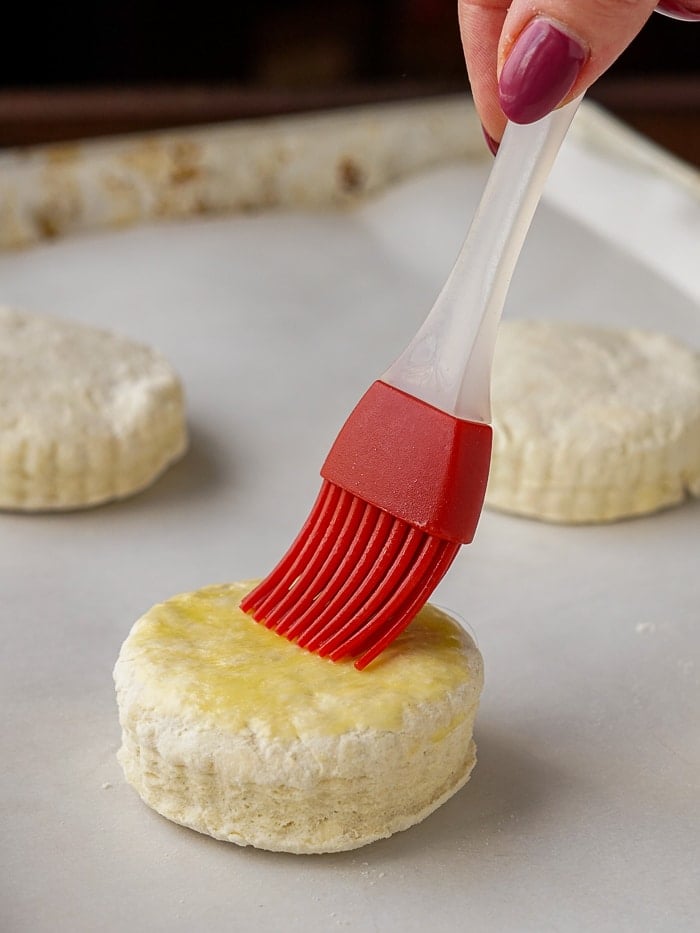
column 680, row 9
column 553, row 50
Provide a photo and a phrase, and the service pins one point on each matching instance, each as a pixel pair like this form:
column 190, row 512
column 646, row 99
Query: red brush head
column 403, row 487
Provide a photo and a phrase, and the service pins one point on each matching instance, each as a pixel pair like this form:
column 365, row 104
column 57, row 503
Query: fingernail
column 490, row 141
column 689, row 10
column 539, row 72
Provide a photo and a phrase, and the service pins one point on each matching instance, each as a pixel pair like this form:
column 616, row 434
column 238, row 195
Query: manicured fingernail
column 490, row 141
column 540, row 71
column 690, row 10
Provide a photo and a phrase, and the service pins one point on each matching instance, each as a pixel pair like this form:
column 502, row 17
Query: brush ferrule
column 420, row 464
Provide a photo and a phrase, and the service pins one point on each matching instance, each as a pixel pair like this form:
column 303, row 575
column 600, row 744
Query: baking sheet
column 583, row 810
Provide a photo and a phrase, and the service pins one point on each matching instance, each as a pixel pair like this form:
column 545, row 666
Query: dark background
column 89, row 69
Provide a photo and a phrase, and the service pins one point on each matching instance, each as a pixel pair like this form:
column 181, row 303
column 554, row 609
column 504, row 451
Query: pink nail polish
column 688, row 10
column 490, row 141
column 539, row 72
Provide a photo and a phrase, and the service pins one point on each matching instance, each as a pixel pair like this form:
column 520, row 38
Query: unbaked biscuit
column 85, row 415
column 592, row 425
column 231, row 730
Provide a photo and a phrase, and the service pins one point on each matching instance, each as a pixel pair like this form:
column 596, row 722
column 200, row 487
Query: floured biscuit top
column 592, row 424
column 85, row 415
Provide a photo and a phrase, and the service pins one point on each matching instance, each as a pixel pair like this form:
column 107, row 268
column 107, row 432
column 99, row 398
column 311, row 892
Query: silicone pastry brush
column 404, row 483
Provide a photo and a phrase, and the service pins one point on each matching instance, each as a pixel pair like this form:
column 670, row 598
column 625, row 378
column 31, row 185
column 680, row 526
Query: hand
column 524, row 58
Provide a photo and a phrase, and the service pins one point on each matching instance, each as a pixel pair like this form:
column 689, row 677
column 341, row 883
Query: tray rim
column 319, row 160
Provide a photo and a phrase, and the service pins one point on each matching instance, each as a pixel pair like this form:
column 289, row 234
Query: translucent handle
column 448, row 362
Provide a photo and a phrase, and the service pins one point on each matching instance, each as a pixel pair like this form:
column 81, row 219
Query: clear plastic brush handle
column 448, row 362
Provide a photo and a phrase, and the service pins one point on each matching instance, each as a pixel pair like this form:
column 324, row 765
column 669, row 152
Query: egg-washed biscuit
column 231, row 730
column 85, row 415
column 592, row 425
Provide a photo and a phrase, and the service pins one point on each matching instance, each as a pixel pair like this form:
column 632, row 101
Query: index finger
column 481, row 24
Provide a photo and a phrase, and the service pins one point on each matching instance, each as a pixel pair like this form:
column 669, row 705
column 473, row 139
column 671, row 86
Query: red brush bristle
column 352, row 580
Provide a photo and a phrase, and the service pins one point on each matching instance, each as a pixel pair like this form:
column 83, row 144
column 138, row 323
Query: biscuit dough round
column 231, row 730
column 592, row 425
column 85, row 415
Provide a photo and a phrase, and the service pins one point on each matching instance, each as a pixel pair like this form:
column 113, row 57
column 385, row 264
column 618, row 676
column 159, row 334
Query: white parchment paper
column 583, row 812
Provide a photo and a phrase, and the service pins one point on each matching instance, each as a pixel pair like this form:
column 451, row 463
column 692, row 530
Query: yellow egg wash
column 235, row 673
